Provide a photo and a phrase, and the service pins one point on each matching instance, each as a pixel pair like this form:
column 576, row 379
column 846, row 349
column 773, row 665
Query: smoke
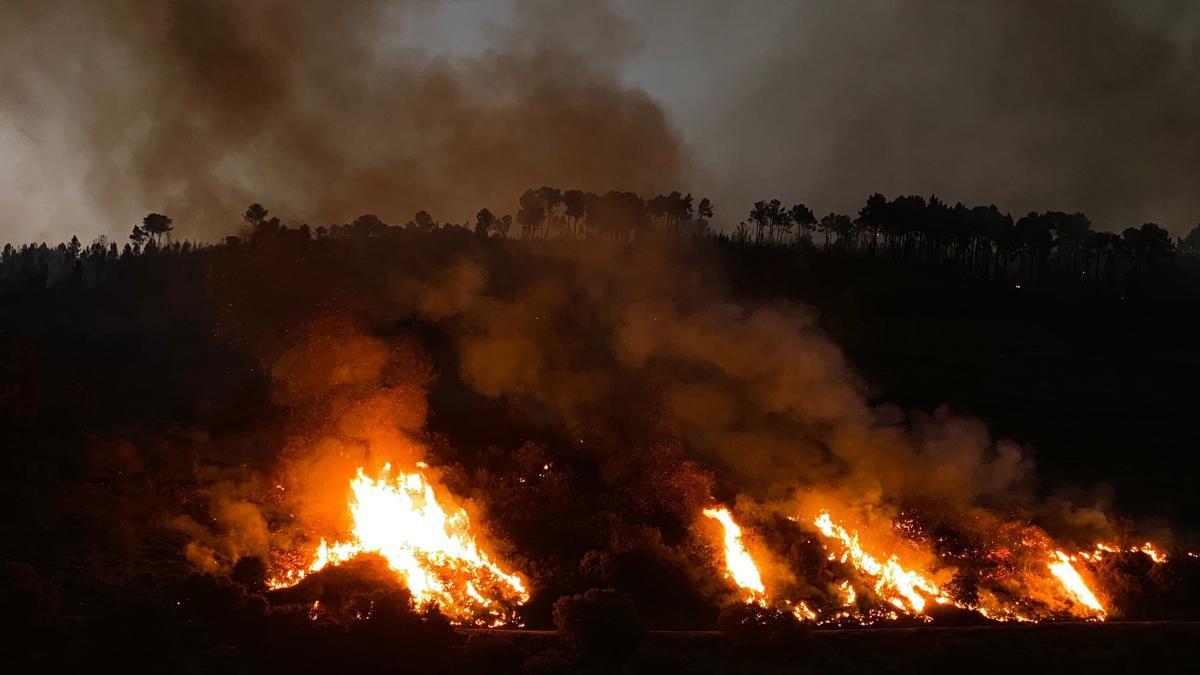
column 595, row 342
column 1074, row 105
column 350, row 401
column 196, row 109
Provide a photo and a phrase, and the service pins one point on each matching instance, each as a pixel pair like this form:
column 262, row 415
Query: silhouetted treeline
column 980, row 242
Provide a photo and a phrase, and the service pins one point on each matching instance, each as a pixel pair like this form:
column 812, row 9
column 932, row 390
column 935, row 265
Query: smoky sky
column 324, row 111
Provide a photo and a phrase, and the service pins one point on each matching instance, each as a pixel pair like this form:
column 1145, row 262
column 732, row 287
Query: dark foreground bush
column 602, row 624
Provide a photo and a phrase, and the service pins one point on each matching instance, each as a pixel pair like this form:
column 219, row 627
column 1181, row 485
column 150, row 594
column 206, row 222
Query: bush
column 601, row 623
column 750, row 624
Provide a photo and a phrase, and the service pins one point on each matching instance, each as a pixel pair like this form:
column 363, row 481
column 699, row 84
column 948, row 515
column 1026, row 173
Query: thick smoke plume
column 606, row 340
column 1083, row 104
column 198, row 108
column 640, row 362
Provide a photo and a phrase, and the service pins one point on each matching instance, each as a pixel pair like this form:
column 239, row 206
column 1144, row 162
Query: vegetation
column 979, row 242
column 136, row 383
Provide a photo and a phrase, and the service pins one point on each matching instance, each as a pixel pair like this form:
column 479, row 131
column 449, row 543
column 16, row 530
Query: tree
column 804, row 219
column 424, row 222
column 503, row 226
column 779, row 218
column 484, row 221
column 138, row 237
column 574, row 208
column 549, row 199
column 760, row 214
column 368, row 225
column 157, row 225
column 255, row 214
column 834, row 223
column 73, row 248
column 705, row 210
column 531, row 209
column 1191, row 242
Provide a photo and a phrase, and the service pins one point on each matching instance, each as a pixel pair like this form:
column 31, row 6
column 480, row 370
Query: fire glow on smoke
column 431, row 549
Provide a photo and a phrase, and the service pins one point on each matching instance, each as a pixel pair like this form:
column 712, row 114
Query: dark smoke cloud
column 600, row 344
column 198, row 108
column 1071, row 104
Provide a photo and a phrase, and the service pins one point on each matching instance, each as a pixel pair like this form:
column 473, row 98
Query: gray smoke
column 198, row 108
column 1030, row 104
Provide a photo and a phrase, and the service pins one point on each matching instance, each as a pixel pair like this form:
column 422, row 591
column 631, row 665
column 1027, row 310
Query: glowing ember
column 739, row 566
column 803, row 612
column 432, row 551
column 905, row 589
column 1074, row 584
column 1148, row 549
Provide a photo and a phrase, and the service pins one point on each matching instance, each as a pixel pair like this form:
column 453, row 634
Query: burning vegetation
column 433, row 552
column 877, row 585
column 408, row 429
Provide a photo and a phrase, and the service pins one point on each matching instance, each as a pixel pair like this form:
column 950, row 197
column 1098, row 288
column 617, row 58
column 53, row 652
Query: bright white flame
column 905, row 589
column 432, row 550
column 739, row 566
column 1074, row 584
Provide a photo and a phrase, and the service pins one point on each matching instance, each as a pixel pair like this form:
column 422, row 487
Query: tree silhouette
column 529, row 215
column 255, row 214
column 1191, row 242
column 423, row 222
column 138, row 237
column 574, row 208
column 157, row 225
column 760, row 215
column 484, row 222
column 804, row 219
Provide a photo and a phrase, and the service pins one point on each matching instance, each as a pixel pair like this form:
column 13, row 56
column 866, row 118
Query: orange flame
column 1074, row 584
column 432, row 550
column 1148, row 549
column 739, row 566
column 905, row 589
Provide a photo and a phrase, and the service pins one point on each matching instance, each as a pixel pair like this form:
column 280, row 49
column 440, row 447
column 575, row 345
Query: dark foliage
column 602, row 624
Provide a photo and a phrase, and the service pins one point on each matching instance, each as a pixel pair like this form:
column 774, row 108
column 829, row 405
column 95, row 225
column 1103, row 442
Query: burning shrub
column 753, row 624
column 601, row 623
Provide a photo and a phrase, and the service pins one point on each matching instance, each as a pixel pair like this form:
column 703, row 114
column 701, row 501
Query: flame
column 1074, row 584
column 905, row 589
column 1148, row 549
column 739, row 566
column 803, row 612
column 431, row 549
column 850, row 596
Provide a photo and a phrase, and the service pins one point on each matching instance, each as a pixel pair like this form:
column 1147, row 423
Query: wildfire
column 431, row 549
column 739, row 566
column 1074, row 584
column 905, row 589
column 1148, row 549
